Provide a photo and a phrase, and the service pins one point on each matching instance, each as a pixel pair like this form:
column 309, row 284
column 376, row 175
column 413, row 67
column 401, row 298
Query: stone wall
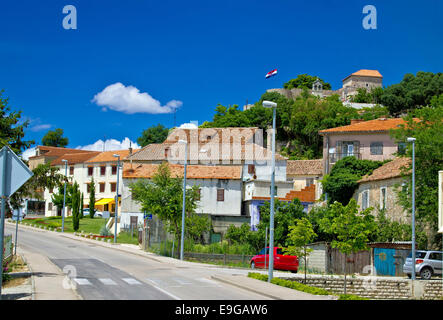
column 378, row 289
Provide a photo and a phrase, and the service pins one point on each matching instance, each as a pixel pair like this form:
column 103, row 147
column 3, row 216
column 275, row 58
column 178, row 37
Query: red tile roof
column 304, row 167
column 48, row 151
column 365, row 73
column 377, row 125
column 392, row 169
column 147, row 171
column 108, row 156
column 74, row 158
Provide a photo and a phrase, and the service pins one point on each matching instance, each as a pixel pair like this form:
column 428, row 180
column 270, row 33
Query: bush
column 104, row 231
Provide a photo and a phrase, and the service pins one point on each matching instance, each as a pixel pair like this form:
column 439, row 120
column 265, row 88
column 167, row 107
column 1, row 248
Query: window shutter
column 220, row 194
column 356, row 148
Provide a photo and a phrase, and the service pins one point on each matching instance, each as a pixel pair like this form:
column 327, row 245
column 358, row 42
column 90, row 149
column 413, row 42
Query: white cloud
column 40, row 127
column 28, row 153
column 110, row 144
column 130, row 100
column 190, row 125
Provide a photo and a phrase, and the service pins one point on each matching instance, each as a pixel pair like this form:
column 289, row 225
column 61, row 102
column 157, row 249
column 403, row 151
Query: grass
column 87, row 225
column 303, row 287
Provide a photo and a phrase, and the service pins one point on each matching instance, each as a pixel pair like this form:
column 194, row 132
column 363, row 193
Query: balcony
column 334, row 157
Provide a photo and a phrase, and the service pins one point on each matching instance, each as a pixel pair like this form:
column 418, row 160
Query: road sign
column 18, row 213
column 13, row 171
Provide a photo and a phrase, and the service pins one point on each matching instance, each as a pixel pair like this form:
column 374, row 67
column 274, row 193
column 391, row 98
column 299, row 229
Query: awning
column 104, row 201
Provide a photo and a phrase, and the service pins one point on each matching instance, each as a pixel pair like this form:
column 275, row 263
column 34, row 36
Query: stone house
column 379, row 190
column 367, row 79
column 369, row 140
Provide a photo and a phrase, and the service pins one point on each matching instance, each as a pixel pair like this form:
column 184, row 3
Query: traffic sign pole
column 14, row 173
column 2, row 213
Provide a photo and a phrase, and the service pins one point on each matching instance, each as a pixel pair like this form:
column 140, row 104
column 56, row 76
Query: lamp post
column 273, row 105
column 184, row 201
column 116, row 198
column 410, row 139
column 64, row 195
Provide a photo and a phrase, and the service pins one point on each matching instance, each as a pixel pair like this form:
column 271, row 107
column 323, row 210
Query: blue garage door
column 384, row 261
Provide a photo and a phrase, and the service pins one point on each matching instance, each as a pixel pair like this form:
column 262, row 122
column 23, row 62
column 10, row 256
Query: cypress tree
column 91, row 199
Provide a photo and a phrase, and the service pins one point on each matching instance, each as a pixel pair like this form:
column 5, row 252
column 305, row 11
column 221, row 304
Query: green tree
column 305, row 81
column 351, row 228
column 428, row 161
column 285, row 215
column 11, row 131
column 44, row 176
column 300, row 235
column 412, row 92
column 154, row 134
column 81, row 207
column 362, row 96
column 54, row 138
column 162, row 195
column 92, row 198
column 75, row 202
column 195, row 227
column 341, row 183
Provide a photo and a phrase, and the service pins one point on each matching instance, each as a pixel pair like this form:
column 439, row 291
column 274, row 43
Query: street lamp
column 184, row 200
column 64, row 195
column 410, row 139
column 116, row 198
column 273, row 105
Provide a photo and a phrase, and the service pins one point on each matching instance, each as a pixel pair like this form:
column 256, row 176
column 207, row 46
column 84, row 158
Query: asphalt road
column 101, row 273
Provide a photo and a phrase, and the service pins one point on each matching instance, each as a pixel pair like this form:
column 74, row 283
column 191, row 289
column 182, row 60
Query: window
column 279, row 251
column 264, row 251
column 103, row 170
column 365, row 199
column 88, row 187
column 167, row 152
column 113, row 186
column 435, row 256
column 199, row 193
column 376, row 148
column 309, row 181
column 251, row 168
column 383, row 198
column 114, row 170
column 220, row 194
column 90, row 171
column 401, row 148
column 71, row 170
column 102, row 187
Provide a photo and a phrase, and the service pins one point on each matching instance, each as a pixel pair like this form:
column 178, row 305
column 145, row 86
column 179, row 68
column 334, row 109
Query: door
column 436, row 262
column 260, row 260
column 384, row 261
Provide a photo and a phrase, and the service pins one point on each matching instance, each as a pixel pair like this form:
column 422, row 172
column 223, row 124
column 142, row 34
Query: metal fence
column 7, row 247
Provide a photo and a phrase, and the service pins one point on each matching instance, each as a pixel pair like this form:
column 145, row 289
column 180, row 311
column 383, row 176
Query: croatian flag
column 271, row 73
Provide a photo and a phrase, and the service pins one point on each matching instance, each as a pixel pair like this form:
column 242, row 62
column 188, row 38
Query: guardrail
column 225, row 258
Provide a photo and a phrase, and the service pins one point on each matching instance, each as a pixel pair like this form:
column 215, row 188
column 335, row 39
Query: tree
column 75, row 202
column 11, row 132
column 54, row 138
column 195, row 227
column 285, row 215
column 412, row 92
column 305, row 81
column 428, row 132
column 341, row 183
column 300, row 235
column 351, row 228
column 154, row 134
column 81, row 207
column 162, row 196
column 92, row 199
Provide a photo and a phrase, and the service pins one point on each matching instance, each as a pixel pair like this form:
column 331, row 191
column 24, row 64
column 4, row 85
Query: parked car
column 427, row 264
column 281, row 261
column 98, row 214
column 86, row 212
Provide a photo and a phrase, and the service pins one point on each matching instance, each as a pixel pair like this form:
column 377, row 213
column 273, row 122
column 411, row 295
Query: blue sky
column 199, row 53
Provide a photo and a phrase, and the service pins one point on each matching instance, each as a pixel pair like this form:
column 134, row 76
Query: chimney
column 354, row 121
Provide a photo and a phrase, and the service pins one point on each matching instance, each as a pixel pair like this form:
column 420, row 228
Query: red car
column 281, row 261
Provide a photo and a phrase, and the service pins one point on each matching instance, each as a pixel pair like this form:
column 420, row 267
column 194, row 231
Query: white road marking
column 108, row 282
column 82, row 282
column 131, row 281
column 182, row 282
column 164, row 291
column 214, row 283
